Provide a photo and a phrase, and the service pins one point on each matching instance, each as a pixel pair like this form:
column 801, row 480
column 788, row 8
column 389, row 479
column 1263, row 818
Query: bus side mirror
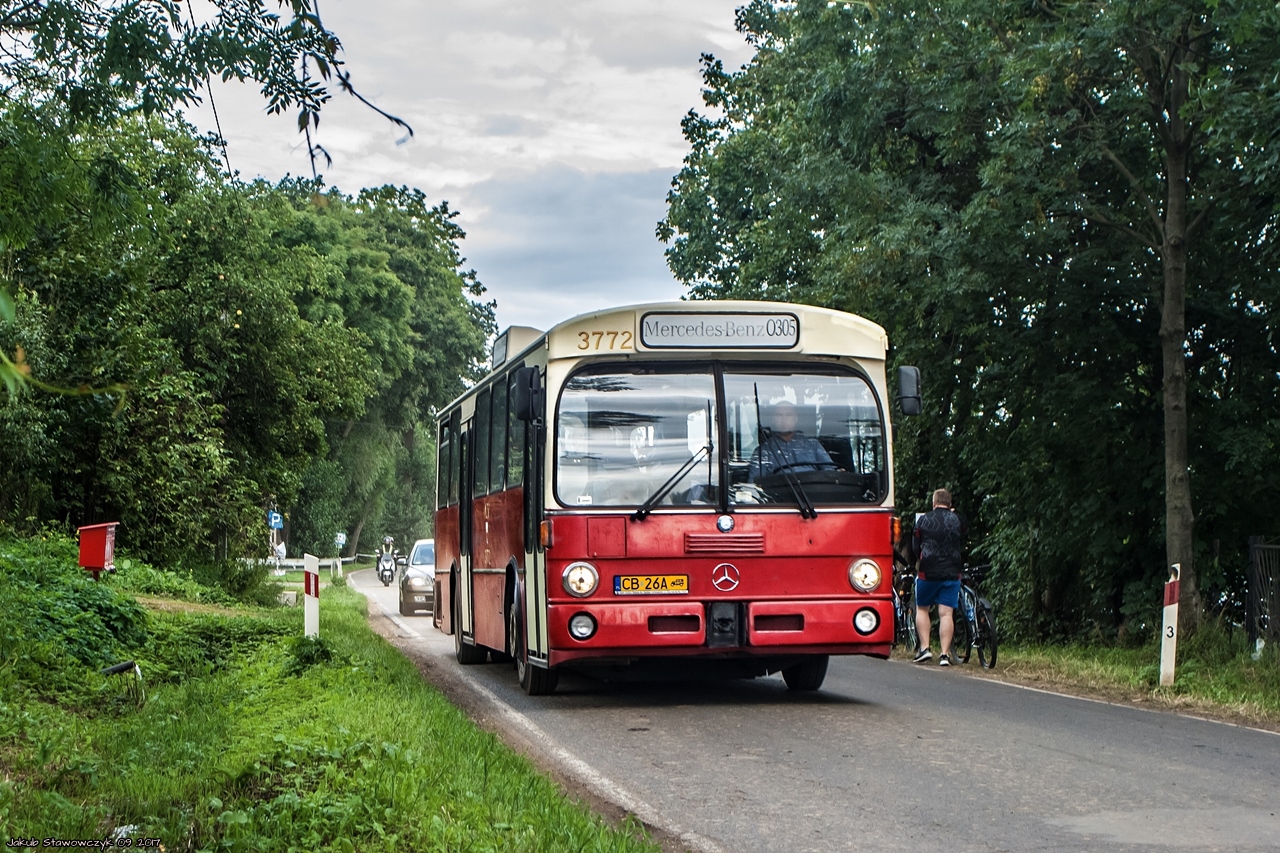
column 909, row 390
column 526, row 394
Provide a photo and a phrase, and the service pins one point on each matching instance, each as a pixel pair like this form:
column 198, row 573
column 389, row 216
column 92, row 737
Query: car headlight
column 866, row 621
column 580, row 579
column 417, row 582
column 864, row 575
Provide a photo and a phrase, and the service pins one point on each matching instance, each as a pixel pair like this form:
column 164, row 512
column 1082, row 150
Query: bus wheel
column 808, row 674
column 534, row 680
column 466, row 655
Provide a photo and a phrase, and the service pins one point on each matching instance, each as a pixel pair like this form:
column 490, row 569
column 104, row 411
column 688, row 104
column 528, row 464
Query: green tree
column 192, row 308
column 69, row 68
column 394, row 272
column 965, row 173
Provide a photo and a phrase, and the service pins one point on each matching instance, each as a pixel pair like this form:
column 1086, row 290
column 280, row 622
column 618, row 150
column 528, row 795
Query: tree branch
column 1098, row 216
column 1137, row 188
column 1199, row 220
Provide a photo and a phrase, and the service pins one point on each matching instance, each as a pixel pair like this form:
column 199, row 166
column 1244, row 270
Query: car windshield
column 792, row 436
column 424, row 554
column 623, row 432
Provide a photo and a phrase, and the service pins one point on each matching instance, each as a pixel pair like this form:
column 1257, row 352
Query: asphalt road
column 887, row 756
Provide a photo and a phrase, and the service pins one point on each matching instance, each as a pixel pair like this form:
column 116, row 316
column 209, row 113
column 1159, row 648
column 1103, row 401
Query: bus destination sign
column 719, row 331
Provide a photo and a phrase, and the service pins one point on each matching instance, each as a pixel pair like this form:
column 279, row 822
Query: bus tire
column 534, row 680
column 808, row 674
column 466, row 655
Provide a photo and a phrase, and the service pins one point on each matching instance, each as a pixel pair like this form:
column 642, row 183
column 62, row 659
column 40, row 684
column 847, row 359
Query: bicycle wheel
column 987, row 638
column 912, row 635
column 962, row 641
column 904, row 633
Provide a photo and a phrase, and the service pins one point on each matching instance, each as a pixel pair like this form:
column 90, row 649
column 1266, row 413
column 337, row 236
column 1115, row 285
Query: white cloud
column 554, row 127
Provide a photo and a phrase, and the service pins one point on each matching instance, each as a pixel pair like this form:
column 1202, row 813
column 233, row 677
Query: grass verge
column 249, row 738
column 1216, row 675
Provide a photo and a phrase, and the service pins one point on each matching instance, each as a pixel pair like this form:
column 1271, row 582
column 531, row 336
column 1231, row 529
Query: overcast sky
column 553, row 126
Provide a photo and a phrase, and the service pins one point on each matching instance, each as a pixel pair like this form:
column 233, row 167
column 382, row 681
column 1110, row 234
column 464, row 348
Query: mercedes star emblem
column 725, row 577
column 724, row 523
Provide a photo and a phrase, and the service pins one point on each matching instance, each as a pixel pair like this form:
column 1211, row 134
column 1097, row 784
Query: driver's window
column 822, row 432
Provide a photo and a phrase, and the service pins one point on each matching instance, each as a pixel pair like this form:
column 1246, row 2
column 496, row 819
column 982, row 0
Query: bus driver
column 786, row 449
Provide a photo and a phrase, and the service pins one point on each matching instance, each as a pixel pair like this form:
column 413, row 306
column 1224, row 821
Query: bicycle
column 904, row 611
column 975, row 620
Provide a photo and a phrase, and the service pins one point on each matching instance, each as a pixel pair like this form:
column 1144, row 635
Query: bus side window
column 444, row 466
column 498, row 440
column 480, row 447
column 515, row 440
column 455, row 464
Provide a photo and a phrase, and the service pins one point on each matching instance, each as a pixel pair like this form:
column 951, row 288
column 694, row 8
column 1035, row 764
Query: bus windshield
column 623, row 432
column 792, row 435
column 792, row 431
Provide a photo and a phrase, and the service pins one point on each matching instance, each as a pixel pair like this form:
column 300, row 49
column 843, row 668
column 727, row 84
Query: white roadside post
column 311, row 593
column 1169, row 635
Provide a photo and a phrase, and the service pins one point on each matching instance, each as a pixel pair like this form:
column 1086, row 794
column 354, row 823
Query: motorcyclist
column 387, row 554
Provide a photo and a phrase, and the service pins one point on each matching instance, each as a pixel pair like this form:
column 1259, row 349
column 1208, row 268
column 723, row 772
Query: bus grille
column 724, row 543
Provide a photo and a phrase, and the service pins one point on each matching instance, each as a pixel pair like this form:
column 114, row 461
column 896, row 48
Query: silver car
column 417, row 581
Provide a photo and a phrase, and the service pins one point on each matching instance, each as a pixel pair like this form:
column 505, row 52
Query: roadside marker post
column 311, row 593
column 1169, row 634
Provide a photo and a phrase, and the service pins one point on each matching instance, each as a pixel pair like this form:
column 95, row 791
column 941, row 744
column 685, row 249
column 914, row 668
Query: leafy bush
column 248, row 581
column 140, row 578
column 59, row 621
column 306, row 652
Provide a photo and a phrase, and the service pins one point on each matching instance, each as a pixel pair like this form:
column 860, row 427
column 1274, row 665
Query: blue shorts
column 945, row 593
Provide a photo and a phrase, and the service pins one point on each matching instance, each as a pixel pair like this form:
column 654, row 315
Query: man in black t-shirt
column 939, row 540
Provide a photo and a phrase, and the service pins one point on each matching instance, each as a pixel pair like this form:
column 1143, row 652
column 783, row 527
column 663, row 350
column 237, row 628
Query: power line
column 217, row 122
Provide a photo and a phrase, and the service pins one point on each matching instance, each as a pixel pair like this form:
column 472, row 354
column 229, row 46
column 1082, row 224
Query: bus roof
column 728, row 325
column 693, row 328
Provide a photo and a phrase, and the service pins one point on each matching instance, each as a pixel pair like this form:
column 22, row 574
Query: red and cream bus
column 680, row 482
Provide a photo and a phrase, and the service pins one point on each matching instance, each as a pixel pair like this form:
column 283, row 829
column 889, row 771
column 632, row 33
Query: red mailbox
column 98, row 547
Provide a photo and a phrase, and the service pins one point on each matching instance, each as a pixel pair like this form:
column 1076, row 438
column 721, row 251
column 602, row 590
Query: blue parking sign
column 275, row 520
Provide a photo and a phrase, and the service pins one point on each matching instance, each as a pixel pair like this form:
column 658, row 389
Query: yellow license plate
column 650, row 584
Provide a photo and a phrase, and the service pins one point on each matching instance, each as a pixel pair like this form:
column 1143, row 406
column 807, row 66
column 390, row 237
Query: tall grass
column 251, row 740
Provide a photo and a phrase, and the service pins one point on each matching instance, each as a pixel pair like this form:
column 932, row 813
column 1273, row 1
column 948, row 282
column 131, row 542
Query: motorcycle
column 387, row 567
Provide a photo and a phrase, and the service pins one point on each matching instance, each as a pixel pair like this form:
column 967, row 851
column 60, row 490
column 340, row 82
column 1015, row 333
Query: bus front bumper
column 861, row 626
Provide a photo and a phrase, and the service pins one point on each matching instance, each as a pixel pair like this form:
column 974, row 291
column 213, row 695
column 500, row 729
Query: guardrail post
column 311, row 593
column 1169, row 634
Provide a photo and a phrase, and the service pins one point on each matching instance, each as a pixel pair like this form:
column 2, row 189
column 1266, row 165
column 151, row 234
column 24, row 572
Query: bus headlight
column 580, row 579
column 582, row 626
column 866, row 620
column 864, row 575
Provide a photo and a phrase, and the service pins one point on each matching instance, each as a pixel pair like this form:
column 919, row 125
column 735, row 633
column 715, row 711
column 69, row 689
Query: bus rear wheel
column 534, row 680
column 808, row 674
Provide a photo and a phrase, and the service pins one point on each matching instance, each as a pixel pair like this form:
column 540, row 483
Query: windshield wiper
column 648, row 505
column 797, row 488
